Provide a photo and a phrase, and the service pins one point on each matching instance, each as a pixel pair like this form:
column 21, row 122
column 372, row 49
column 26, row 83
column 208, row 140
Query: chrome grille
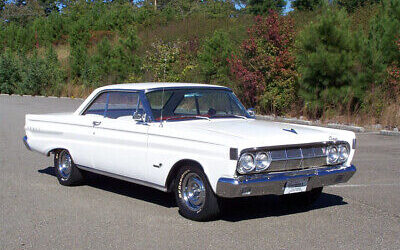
column 297, row 158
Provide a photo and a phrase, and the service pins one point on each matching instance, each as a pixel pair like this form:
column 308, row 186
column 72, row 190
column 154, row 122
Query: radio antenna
column 162, row 106
column 162, row 95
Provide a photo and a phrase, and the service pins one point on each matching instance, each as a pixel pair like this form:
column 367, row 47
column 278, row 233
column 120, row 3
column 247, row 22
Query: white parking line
column 368, row 185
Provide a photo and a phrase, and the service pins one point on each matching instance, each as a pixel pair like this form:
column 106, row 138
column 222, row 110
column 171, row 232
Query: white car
column 195, row 140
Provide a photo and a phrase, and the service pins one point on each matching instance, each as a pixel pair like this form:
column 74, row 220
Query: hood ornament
column 290, row 130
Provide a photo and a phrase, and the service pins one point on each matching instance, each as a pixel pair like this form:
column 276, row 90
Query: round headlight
column 246, row 163
column 262, row 161
column 343, row 153
column 332, row 154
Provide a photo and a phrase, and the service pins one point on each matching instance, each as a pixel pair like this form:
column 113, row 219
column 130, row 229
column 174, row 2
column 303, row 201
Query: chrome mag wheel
column 193, row 192
column 64, row 165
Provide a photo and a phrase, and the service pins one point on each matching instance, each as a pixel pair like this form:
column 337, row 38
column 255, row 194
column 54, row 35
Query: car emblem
column 290, row 130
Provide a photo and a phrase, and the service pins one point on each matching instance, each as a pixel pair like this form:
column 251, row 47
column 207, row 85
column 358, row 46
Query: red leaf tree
column 264, row 70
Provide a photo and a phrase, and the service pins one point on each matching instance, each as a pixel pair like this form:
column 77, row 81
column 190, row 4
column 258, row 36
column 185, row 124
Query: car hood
column 256, row 133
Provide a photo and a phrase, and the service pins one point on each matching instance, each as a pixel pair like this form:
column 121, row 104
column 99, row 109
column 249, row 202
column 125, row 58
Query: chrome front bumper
column 25, row 140
column 274, row 183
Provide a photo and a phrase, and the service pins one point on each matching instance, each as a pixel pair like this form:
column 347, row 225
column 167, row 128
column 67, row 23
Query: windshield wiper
column 188, row 116
column 240, row 116
column 231, row 115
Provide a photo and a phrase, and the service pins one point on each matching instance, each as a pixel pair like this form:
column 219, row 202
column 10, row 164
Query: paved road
column 37, row 212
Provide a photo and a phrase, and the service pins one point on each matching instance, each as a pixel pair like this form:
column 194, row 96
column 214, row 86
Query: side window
column 123, row 105
column 98, row 106
column 217, row 102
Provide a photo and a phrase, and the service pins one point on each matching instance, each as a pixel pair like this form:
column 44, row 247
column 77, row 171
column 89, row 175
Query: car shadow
column 233, row 210
column 248, row 208
column 123, row 188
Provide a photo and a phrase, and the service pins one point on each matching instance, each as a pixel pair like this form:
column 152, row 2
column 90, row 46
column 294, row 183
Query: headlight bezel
column 258, row 165
column 267, row 161
column 341, row 157
column 240, row 168
column 332, row 154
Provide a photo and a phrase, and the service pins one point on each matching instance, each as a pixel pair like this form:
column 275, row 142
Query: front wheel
column 194, row 196
column 66, row 171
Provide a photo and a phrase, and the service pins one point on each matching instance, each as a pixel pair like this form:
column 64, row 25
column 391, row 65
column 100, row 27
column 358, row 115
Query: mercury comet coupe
column 195, row 140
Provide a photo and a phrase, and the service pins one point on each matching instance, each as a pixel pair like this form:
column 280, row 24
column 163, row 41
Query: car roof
column 158, row 85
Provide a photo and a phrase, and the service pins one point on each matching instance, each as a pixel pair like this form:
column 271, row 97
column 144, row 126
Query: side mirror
column 251, row 112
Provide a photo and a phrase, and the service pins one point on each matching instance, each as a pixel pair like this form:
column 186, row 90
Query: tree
column 325, row 62
column 303, row 5
column 265, row 67
column 262, row 7
column 2, row 4
column 351, row 5
column 213, row 58
column 22, row 12
column 384, row 40
column 50, row 5
column 385, row 31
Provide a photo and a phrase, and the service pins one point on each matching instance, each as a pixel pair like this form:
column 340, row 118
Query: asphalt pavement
column 37, row 212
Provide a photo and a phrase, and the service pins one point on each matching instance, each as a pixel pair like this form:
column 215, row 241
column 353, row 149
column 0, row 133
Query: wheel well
column 53, row 151
column 176, row 167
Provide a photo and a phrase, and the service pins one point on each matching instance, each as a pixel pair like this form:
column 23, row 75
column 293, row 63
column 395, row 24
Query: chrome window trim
column 187, row 87
column 235, row 98
column 142, row 98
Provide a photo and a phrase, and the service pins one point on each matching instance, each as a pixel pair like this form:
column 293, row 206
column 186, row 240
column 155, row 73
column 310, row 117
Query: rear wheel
column 194, row 196
column 66, row 171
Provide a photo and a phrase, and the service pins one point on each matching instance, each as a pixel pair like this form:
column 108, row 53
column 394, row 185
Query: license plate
column 295, row 186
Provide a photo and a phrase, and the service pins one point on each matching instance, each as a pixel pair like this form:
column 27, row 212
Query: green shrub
column 160, row 61
column 10, row 75
column 40, row 75
column 18, row 38
column 113, row 62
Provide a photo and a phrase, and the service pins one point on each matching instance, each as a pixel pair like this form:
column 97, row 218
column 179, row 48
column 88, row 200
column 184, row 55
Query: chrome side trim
column 274, row 183
column 25, row 140
column 124, row 178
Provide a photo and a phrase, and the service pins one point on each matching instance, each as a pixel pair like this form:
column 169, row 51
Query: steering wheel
column 212, row 112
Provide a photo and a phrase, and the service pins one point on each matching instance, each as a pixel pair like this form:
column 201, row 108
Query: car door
column 120, row 138
column 84, row 142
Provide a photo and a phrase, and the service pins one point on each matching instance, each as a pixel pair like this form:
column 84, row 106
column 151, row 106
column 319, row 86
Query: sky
column 288, row 7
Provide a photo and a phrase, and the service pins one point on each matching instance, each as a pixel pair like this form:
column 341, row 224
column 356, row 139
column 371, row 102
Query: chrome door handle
column 96, row 123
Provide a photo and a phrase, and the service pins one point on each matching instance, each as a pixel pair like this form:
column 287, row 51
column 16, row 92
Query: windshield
column 195, row 104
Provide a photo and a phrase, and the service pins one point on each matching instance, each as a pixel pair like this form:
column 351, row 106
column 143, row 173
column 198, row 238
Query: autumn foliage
column 265, row 67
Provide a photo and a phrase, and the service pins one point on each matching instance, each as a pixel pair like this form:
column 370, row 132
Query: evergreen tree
column 213, row 58
column 262, row 7
column 325, row 61
column 305, row 4
column 351, row 5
